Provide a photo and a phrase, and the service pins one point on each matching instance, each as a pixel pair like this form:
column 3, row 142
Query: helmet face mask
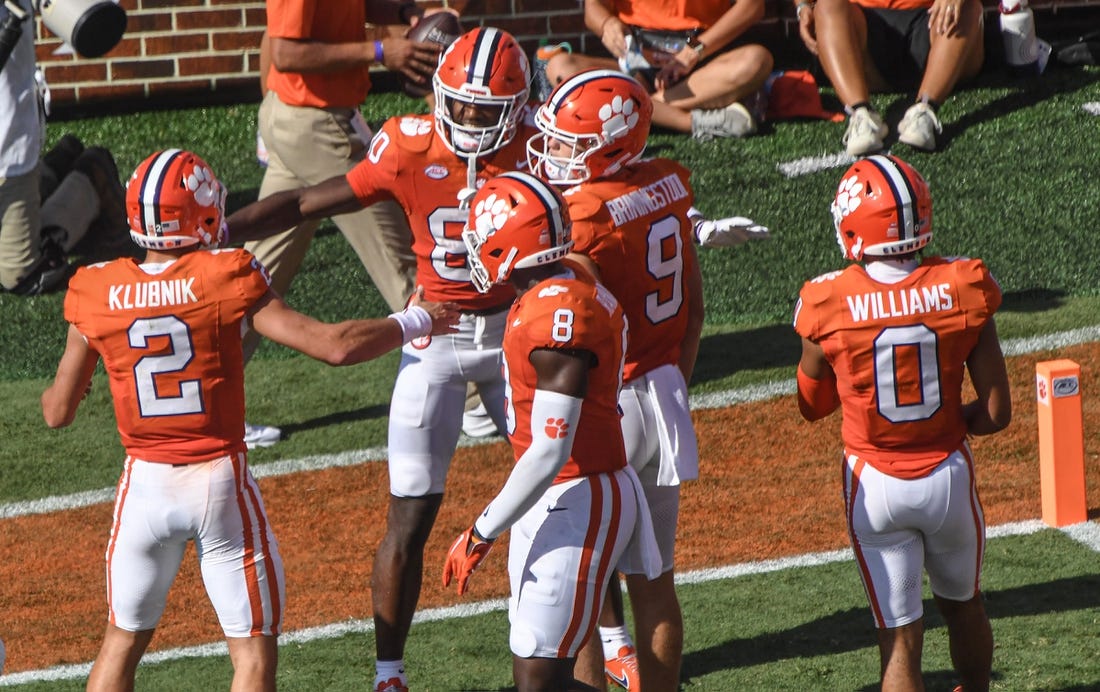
column 593, row 124
column 516, row 221
column 173, row 200
column 882, row 209
column 480, row 85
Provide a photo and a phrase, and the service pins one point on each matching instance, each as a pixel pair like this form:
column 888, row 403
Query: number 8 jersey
column 573, row 314
column 899, row 353
column 170, row 339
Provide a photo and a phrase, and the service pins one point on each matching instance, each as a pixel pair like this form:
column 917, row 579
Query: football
column 440, row 27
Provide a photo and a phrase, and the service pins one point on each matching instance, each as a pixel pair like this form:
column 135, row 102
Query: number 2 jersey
column 899, row 353
column 171, row 345
column 634, row 226
column 408, row 161
column 575, row 314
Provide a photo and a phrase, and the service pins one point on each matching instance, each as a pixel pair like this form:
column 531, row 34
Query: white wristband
column 415, row 322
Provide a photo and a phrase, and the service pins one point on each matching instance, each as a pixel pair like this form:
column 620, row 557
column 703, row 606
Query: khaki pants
column 308, row 146
column 71, row 208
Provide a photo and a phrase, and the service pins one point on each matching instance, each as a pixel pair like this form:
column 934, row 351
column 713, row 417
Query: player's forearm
column 265, row 217
column 535, row 471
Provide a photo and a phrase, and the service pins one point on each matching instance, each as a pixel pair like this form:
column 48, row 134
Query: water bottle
column 1024, row 53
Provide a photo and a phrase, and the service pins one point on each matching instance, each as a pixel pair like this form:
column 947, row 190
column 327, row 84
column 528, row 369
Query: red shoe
column 623, row 669
column 392, row 685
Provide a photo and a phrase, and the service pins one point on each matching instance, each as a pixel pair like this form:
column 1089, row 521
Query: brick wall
column 204, row 50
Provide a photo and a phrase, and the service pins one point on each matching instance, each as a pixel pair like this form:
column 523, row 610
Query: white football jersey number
column 662, row 268
column 150, row 400
column 888, row 348
column 449, row 253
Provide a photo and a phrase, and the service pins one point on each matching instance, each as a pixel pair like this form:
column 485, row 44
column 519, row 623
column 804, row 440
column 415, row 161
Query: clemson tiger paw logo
column 491, row 213
column 848, row 196
column 202, row 184
column 556, row 428
column 618, row 117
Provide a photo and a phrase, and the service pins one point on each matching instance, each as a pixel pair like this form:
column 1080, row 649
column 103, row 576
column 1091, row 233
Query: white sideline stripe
column 1092, row 107
column 1087, row 533
column 812, row 164
column 357, row 626
column 744, row 395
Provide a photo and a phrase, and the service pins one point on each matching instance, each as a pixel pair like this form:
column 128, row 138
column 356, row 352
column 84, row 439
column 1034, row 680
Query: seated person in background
column 48, row 204
column 680, row 51
column 891, row 45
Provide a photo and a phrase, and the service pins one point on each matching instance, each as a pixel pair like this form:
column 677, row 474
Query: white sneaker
column 732, row 121
column 919, row 127
column 261, row 435
column 865, row 132
column 478, row 423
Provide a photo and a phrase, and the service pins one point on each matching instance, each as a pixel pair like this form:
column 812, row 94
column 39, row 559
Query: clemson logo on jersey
column 415, row 127
column 556, row 428
column 552, row 290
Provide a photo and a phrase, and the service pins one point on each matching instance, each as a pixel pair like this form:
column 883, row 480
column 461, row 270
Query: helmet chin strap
column 467, row 193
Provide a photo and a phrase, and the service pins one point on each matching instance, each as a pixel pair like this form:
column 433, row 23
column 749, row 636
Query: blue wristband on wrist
column 378, row 52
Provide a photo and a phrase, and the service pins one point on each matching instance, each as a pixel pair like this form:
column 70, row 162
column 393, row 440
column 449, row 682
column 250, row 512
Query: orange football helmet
column 516, row 221
column 882, row 208
column 173, row 200
column 593, row 124
column 480, row 87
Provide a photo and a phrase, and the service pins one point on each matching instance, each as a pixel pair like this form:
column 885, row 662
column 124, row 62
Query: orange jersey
column 899, row 352
column 328, row 21
column 408, row 162
column 171, row 345
column 671, row 15
column 634, row 226
column 575, row 314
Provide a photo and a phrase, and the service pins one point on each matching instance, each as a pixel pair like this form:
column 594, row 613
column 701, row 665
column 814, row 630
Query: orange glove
column 466, row 553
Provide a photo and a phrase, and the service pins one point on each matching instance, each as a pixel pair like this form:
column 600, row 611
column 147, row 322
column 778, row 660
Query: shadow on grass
column 850, row 630
column 721, row 355
column 1033, row 300
column 352, row 416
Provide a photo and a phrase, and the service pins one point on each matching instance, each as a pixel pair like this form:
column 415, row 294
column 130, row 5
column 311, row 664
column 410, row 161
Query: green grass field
column 1013, row 184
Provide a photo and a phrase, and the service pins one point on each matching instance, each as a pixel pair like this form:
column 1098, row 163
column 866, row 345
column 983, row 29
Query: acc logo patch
column 436, row 171
column 1065, row 386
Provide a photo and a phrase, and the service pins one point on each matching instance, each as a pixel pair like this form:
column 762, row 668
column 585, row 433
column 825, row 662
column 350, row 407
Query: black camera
column 91, row 27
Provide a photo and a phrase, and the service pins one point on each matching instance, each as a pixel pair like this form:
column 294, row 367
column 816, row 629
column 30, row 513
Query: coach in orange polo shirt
column 313, row 130
column 891, row 45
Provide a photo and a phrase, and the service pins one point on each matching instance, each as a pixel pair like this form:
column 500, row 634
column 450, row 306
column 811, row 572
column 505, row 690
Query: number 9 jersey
column 170, row 339
column 899, row 352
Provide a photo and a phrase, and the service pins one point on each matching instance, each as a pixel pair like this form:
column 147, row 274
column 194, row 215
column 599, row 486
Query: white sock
column 386, row 670
column 613, row 639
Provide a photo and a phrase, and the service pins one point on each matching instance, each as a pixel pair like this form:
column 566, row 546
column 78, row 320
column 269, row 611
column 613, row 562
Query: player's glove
column 728, row 232
column 466, row 553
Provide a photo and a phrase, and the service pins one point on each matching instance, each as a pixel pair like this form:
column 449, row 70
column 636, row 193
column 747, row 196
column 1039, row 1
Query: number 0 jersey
column 576, row 314
column 408, row 162
column 899, row 353
column 171, row 345
column 634, row 226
